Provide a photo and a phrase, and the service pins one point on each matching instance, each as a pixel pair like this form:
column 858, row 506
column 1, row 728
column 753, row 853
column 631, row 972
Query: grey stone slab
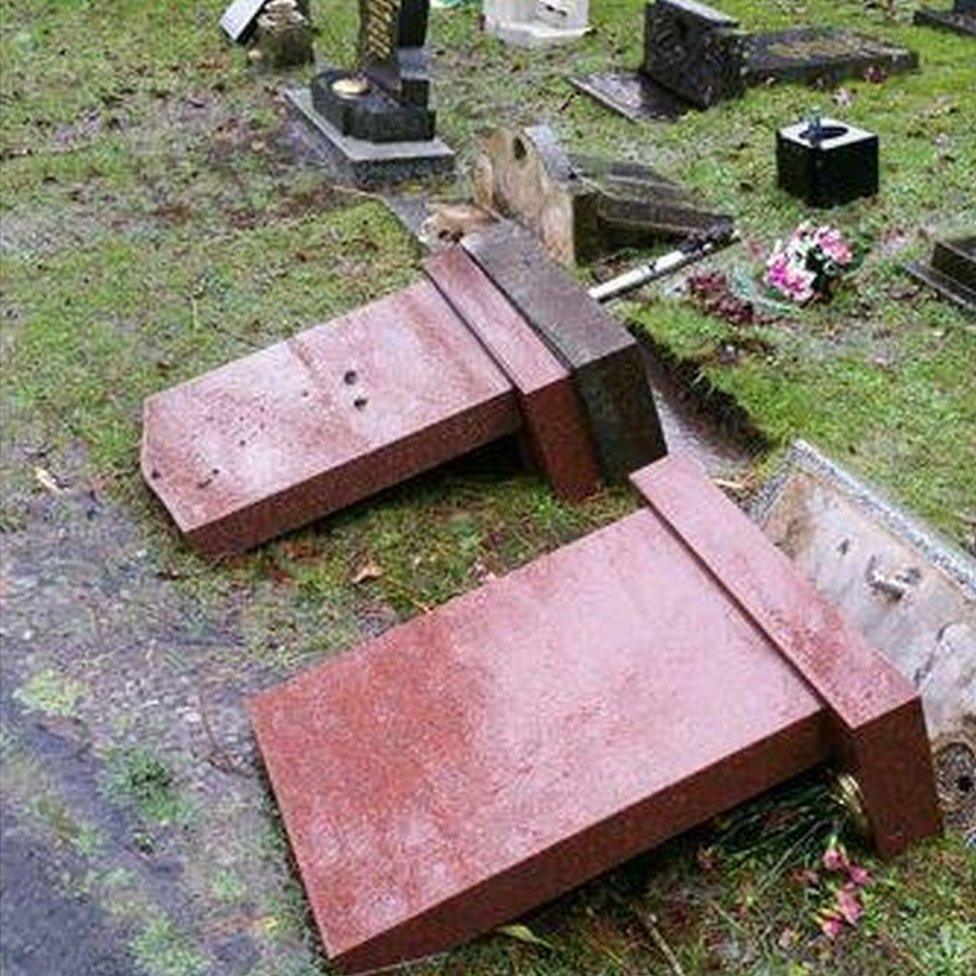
column 368, row 164
column 240, row 18
column 633, row 95
column 604, row 359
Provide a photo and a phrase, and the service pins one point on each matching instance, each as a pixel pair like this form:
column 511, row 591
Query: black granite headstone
column 374, row 123
column 695, row 56
column 952, row 271
column 391, row 103
column 694, row 51
column 827, row 163
column 961, row 18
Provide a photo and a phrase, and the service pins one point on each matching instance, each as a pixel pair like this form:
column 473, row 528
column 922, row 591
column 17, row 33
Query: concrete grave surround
column 696, row 56
column 911, row 593
column 484, row 758
column 336, row 413
column 537, row 23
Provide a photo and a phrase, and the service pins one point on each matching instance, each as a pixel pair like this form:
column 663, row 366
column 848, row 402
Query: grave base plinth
column 364, row 164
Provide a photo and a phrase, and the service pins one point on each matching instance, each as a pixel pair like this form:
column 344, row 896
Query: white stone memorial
column 537, row 23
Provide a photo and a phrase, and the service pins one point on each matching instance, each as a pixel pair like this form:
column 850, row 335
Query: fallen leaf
column 843, row 97
column 523, row 933
column 369, row 571
column 47, row 481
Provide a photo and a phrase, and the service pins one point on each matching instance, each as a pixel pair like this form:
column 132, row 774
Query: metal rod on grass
column 659, row 268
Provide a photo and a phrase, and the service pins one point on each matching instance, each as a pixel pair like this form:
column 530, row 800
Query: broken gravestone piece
column 912, row 594
column 548, row 726
column 583, row 207
column 696, row 56
column 537, row 23
column 374, row 125
column 283, row 38
column 496, row 341
column 827, row 163
column 951, row 272
column 961, row 18
column 240, row 18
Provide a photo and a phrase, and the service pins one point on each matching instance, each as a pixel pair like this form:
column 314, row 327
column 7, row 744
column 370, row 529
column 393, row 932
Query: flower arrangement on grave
column 809, row 265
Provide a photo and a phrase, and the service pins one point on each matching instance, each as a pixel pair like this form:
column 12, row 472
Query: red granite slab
column 490, row 755
column 556, row 428
column 485, row 757
column 336, row 413
column 880, row 727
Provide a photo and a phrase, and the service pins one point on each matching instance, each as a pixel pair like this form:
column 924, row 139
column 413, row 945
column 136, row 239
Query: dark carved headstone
column 375, row 122
column 952, row 271
column 961, row 19
column 827, row 163
column 694, row 51
column 283, row 38
column 695, row 56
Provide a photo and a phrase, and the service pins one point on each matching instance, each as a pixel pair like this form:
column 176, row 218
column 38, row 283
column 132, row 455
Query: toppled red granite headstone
column 488, row 756
column 341, row 411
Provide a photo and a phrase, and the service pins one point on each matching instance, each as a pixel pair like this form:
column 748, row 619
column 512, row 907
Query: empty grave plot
column 488, row 756
column 494, row 341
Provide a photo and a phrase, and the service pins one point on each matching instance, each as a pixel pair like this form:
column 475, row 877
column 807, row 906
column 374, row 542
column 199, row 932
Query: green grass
column 138, row 776
column 156, row 224
column 52, row 692
column 161, row 950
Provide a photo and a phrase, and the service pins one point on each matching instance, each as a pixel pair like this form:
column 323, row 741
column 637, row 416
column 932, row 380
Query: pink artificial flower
column 849, row 904
column 803, row 233
column 789, row 277
column 831, row 925
column 830, row 241
column 859, row 876
column 835, row 858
